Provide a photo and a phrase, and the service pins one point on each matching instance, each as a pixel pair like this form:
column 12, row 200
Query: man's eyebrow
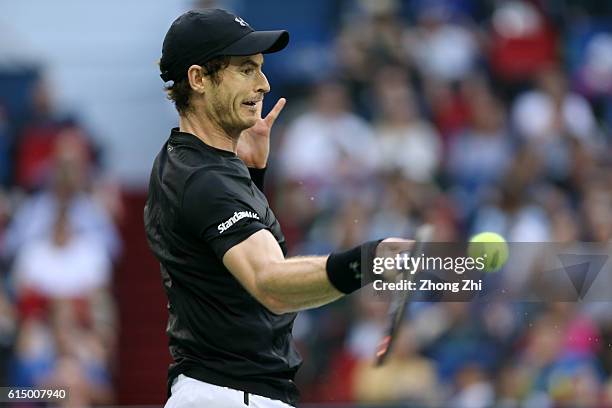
column 251, row 62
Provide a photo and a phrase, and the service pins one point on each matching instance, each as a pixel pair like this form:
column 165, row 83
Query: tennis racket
column 400, row 298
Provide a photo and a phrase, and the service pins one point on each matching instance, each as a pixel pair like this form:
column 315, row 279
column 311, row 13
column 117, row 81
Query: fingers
column 392, row 246
column 395, row 240
column 276, row 110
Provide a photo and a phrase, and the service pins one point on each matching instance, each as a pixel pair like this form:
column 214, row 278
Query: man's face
column 235, row 103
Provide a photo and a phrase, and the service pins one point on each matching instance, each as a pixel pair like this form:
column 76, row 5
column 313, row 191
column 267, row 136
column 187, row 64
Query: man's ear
column 197, row 80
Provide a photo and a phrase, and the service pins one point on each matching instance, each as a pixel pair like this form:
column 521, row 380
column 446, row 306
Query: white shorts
column 191, row 393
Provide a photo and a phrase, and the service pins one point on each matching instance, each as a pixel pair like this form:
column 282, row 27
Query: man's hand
column 393, row 246
column 389, row 248
column 254, row 143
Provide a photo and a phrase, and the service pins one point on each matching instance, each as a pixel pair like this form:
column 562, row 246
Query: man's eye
column 249, row 71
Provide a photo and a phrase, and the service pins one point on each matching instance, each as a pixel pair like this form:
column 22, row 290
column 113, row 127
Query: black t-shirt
column 202, row 201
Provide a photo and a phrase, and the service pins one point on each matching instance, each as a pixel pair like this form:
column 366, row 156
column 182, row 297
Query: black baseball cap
column 199, row 36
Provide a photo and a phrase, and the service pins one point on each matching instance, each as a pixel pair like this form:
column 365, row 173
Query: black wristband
column 257, row 175
column 345, row 269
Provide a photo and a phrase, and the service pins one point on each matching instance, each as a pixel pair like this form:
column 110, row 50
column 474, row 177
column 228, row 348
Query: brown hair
column 180, row 91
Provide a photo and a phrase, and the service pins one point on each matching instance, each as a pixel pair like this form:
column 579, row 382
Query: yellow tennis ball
column 491, row 247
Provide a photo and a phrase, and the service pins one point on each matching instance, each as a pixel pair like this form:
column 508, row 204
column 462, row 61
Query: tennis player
column 232, row 294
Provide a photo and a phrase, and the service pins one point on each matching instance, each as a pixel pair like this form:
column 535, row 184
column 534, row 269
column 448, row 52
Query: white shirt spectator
column 447, row 53
column 534, row 114
column 318, row 146
column 414, row 149
column 37, row 215
column 74, row 269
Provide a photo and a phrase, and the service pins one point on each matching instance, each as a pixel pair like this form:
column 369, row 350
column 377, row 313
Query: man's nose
column 263, row 85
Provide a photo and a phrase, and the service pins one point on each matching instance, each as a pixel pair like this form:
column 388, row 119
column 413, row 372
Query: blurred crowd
column 58, row 245
column 472, row 116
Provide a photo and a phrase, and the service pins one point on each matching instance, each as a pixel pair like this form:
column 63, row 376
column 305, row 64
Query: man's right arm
column 281, row 285
column 297, row 283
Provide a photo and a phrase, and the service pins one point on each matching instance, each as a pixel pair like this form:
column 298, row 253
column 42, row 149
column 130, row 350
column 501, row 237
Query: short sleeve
column 214, row 210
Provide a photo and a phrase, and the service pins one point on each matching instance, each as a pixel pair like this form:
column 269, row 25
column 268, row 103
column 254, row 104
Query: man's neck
column 208, row 132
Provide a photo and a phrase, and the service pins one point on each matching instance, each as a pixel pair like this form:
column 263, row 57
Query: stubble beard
column 229, row 120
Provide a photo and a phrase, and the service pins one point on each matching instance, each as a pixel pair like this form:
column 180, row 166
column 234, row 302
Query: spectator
column 36, row 139
column 442, row 49
column 474, row 389
column 68, row 190
column 408, row 142
column 522, row 42
column 370, row 38
column 396, row 208
column 595, row 72
column 551, row 111
column 595, row 209
column 328, row 145
column 406, row 376
column 368, row 327
column 65, row 264
column 60, row 352
column 511, row 213
column 549, row 117
column 480, row 155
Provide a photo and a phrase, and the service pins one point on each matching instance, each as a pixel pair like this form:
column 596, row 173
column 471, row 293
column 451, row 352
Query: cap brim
column 264, row 42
